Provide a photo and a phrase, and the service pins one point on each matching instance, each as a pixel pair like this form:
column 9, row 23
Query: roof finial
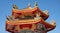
column 35, row 4
column 15, row 7
column 53, row 23
column 29, row 5
column 46, row 12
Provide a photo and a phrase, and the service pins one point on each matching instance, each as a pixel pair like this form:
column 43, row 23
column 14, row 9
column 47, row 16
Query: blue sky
column 53, row 6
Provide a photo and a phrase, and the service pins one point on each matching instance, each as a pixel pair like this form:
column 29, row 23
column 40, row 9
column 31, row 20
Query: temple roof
column 30, row 10
column 49, row 26
column 42, row 16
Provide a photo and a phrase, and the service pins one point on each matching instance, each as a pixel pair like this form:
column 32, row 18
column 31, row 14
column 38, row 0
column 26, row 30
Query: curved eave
column 27, row 10
column 47, row 25
column 19, row 22
column 23, row 10
column 43, row 15
column 51, row 28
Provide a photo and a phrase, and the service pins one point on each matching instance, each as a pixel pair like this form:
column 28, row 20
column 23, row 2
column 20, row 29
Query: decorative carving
column 35, row 4
column 53, row 23
column 15, row 7
column 41, row 27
